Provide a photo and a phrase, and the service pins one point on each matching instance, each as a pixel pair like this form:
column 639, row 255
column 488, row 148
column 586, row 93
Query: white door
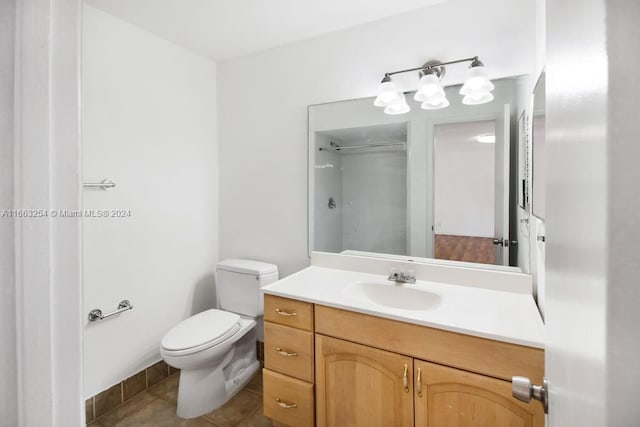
column 501, row 225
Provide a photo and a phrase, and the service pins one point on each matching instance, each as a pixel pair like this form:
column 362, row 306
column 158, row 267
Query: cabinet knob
column 419, row 382
column 286, row 313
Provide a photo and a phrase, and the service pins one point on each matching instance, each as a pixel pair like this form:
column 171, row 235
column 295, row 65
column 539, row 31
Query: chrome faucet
column 402, row 277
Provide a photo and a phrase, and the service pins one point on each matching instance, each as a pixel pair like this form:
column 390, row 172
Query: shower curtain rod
column 336, row 147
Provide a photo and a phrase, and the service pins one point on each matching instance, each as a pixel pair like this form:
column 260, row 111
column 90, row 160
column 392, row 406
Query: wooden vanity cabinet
column 288, row 376
column 452, row 397
column 371, row 371
column 362, row 386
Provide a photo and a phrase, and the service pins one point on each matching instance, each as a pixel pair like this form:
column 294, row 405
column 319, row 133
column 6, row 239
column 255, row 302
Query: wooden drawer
column 288, row 351
column 281, row 391
column 494, row 358
column 288, row 312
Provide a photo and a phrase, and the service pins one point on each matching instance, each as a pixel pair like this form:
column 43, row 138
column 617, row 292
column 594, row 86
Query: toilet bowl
column 215, row 350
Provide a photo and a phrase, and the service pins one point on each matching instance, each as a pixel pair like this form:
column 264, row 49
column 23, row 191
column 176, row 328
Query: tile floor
column 156, row 407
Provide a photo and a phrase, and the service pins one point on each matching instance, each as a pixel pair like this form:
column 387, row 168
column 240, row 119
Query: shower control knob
column 523, row 390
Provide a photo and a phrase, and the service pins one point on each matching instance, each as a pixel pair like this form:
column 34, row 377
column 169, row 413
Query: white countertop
column 494, row 314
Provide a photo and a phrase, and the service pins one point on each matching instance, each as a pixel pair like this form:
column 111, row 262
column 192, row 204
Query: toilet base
column 203, row 390
column 202, row 393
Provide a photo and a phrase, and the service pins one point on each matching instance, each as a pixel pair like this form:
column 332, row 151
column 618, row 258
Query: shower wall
column 149, row 124
column 369, row 189
column 374, row 193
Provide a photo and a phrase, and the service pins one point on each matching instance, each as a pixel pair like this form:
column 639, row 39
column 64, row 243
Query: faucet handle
column 394, row 274
column 402, row 276
column 408, row 277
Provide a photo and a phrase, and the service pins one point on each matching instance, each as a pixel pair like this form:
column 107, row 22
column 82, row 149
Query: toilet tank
column 238, row 283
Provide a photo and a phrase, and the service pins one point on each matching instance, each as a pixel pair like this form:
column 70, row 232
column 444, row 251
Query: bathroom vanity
column 351, row 348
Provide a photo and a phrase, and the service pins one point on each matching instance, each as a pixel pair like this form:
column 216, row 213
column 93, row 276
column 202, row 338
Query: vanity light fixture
column 476, row 89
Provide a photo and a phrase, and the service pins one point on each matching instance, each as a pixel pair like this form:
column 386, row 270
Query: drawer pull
column 286, row 313
column 405, row 379
column 419, row 383
column 286, row 405
column 286, row 353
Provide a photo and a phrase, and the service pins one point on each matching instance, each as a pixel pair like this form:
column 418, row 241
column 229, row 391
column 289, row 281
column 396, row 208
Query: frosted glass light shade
column 398, row 107
column 477, row 81
column 477, row 98
column 388, row 93
column 430, row 105
column 429, row 88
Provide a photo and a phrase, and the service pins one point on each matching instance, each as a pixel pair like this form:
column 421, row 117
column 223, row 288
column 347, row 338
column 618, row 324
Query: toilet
column 215, row 350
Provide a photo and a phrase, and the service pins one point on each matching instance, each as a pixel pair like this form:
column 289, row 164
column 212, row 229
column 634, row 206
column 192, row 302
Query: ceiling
column 459, row 134
column 223, row 29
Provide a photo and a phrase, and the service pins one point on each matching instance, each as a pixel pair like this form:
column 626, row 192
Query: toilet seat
column 200, row 332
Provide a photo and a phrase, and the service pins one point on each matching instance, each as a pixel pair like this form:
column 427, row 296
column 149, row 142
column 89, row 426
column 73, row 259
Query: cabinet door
column 357, row 385
column 448, row 397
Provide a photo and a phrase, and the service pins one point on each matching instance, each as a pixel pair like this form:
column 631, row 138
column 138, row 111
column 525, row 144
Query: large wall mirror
column 429, row 184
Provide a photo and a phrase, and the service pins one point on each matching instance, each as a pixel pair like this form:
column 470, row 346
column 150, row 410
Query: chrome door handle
column 523, row 390
column 505, row 242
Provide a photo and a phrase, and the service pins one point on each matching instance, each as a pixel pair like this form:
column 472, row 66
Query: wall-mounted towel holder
column 96, row 314
column 105, row 184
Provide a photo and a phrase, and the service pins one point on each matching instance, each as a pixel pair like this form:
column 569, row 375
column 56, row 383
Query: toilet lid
column 211, row 326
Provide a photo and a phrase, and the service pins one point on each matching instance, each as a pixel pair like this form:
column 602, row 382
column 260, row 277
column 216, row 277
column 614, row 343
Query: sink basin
column 401, row 296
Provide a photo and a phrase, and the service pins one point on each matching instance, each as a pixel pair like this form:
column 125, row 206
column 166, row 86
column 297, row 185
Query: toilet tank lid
column 247, row 266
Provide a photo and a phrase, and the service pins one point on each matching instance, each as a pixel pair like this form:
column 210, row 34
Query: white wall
column 149, row 118
column 374, row 194
column 8, row 362
column 263, row 133
column 464, row 188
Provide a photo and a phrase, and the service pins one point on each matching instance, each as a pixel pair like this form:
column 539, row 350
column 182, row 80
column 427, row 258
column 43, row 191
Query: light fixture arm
column 473, row 59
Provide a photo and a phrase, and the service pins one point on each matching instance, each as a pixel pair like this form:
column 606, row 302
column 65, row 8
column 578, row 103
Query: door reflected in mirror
column 465, row 190
column 433, row 184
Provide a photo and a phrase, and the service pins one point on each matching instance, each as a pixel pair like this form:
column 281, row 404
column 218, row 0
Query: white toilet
column 216, row 349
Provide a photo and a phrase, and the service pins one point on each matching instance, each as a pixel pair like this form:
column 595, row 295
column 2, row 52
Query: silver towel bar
column 105, row 184
column 96, row 314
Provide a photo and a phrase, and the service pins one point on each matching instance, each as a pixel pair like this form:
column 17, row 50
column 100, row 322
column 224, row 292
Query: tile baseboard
column 128, row 388
column 125, row 390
